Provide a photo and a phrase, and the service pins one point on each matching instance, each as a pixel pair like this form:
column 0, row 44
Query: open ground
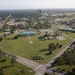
column 22, row 47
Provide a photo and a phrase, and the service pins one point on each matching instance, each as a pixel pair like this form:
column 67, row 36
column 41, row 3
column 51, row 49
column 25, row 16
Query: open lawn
column 71, row 34
column 16, row 69
column 22, row 47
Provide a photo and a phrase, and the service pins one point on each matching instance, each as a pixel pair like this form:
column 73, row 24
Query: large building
column 28, row 33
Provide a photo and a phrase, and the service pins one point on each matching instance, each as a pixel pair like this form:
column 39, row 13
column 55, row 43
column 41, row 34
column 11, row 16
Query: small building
column 7, row 30
column 50, row 38
column 68, row 29
column 30, row 29
column 28, row 33
column 7, row 33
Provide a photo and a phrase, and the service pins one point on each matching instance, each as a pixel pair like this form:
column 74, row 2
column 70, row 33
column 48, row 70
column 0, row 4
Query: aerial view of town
column 37, row 37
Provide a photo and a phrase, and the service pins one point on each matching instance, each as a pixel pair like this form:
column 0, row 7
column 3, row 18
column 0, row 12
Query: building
column 28, row 33
column 7, row 30
column 68, row 29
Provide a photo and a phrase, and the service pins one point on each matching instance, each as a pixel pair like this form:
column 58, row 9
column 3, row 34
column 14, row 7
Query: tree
column 52, row 46
column 57, row 44
column 50, row 51
column 67, row 58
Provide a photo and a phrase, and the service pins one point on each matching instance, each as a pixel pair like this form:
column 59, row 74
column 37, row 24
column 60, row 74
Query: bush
column 37, row 58
column 50, row 52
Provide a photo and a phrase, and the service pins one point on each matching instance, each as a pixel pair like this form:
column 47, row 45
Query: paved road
column 27, row 62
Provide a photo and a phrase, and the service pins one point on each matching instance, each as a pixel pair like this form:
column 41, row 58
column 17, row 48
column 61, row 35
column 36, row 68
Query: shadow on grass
column 4, row 67
column 43, row 50
column 69, row 73
column 47, row 54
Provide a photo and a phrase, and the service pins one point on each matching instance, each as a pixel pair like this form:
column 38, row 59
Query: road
column 27, row 62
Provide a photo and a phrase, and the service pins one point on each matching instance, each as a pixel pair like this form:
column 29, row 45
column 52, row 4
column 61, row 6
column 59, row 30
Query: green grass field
column 14, row 70
column 71, row 34
column 22, row 47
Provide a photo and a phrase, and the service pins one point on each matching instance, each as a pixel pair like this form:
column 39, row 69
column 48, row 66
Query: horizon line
column 37, row 8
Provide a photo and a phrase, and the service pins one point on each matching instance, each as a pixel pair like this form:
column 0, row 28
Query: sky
column 36, row 4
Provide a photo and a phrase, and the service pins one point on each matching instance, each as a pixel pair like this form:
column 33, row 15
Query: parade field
column 23, row 47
